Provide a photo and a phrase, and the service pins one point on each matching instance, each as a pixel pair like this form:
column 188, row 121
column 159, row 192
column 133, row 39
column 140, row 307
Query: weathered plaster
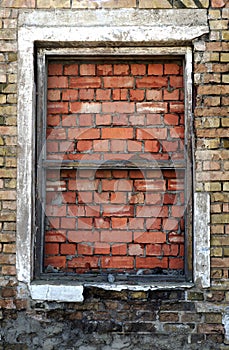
column 202, row 239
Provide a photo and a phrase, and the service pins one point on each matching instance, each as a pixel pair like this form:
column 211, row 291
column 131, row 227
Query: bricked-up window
column 112, row 174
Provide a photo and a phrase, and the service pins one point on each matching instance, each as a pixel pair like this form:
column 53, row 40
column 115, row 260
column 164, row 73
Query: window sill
column 70, row 292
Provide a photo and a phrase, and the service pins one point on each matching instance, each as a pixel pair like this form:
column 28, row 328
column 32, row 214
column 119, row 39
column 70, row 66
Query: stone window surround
column 85, row 29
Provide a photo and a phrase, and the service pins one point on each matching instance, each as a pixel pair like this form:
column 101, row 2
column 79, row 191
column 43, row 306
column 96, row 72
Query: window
column 114, row 168
column 82, row 35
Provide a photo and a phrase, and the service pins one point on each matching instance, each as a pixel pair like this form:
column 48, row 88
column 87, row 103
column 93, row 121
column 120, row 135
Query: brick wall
column 115, row 219
column 179, row 319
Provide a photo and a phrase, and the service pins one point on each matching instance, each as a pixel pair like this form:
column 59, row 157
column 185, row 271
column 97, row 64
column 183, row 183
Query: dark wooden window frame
column 42, row 57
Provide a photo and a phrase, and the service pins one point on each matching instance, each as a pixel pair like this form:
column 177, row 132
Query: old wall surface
column 195, row 318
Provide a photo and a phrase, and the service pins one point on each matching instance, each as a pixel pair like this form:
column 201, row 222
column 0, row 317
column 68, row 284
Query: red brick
column 151, row 82
column 85, row 107
column 118, row 198
column 85, row 223
column 152, row 211
column 151, row 107
column 170, row 224
column 135, row 249
column 51, row 248
column 102, row 248
column 84, row 249
column 120, row 223
column 170, row 146
column 218, row 3
column 177, row 211
column 170, row 249
column 55, row 210
column 152, row 146
column 86, row 94
column 117, row 133
column 68, row 223
column 56, row 261
column 84, row 146
column 149, row 237
column 53, row 120
column 55, row 69
column 120, row 174
column 70, row 95
column 176, row 107
column 85, row 119
column 153, row 119
column 171, row 119
column 137, row 119
column 134, row 146
column 155, row 69
column 177, row 132
column 177, row 82
column 153, row 224
column 56, row 134
column 101, row 222
column 54, row 223
column 117, row 262
column 176, row 184
column 152, row 198
column 176, row 263
column 121, row 69
column 120, row 119
column 118, row 145
column 87, row 69
column 68, row 120
column 152, row 133
column 83, row 133
column 103, row 119
column 92, row 210
column 57, row 107
column 137, row 198
column 151, row 263
column 108, row 185
column 53, row 95
column 57, row 82
column 83, row 236
column 154, row 95
column 118, row 82
column 119, row 249
column 153, row 249
column 68, row 249
column 87, row 262
column 118, row 107
column 55, row 236
column 136, row 223
column 171, row 95
column 116, row 236
column 118, row 210
column 103, row 174
column 104, row 69
column 85, row 82
column 71, row 69
column 137, row 95
column 175, row 238
column 149, row 185
column 171, row 68
column 101, row 146
column 103, row 95
column 120, row 94
column 138, row 69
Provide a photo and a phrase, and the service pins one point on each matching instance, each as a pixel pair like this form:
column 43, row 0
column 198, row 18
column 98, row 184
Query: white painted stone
column 202, row 239
column 59, row 293
column 225, row 322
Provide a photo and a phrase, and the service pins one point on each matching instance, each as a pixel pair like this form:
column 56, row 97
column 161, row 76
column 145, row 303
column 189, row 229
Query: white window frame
column 88, row 32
